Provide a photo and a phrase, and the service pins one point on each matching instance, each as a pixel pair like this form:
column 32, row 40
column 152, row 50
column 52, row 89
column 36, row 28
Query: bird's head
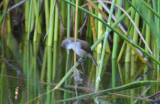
column 66, row 42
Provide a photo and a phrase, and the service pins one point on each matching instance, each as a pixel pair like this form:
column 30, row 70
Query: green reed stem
column 76, row 29
column 130, row 32
column 49, row 57
column 46, row 14
column 49, row 72
column 148, row 40
column 156, row 8
column 135, row 39
column 50, row 35
column 29, row 20
column 148, row 35
column 123, row 48
column 35, row 69
column 128, row 49
column 37, row 19
column 68, row 35
column 114, row 53
column 28, row 50
column 35, row 45
column 44, row 64
column 67, row 60
column 135, row 34
column 55, row 43
column 63, row 12
column 116, row 37
column 26, row 15
column 99, row 30
column 8, row 17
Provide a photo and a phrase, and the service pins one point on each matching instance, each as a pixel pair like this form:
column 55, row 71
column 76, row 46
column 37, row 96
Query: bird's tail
column 90, row 55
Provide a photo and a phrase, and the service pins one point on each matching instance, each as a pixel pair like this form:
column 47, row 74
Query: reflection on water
column 22, row 82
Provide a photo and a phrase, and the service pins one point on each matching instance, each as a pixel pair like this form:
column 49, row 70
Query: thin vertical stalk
column 26, row 15
column 157, row 24
column 99, row 47
column 121, row 51
column 50, row 35
column 28, row 49
column 46, row 56
column 49, row 57
column 156, row 8
column 116, row 37
column 46, row 7
column 29, row 20
column 115, row 47
column 132, row 72
column 37, row 19
column 44, row 64
column 135, row 39
column 128, row 56
column 76, row 29
column 75, row 38
column 55, row 42
column 128, row 50
column 68, row 20
column 55, row 52
column 121, row 73
column 35, row 69
column 34, row 74
column 148, row 39
column 92, row 23
column 68, row 35
column 155, row 45
column 127, row 6
column 49, row 72
column 135, row 35
column 35, row 45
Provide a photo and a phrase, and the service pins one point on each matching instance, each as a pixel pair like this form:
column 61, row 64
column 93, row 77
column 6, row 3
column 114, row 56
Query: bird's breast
column 79, row 51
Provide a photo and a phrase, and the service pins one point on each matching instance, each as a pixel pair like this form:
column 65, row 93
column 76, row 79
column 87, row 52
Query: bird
column 82, row 48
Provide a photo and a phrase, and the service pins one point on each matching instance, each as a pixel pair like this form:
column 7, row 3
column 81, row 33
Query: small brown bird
column 82, row 47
